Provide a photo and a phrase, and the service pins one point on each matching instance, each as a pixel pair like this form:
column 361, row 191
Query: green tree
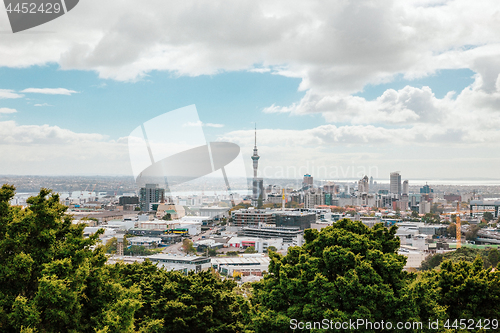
column 471, row 234
column 232, row 254
column 50, row 278
column 167, row 217
column 431, row 262
column 452, row 230
column 488, row 216
column 250, row 249
column 494, row 257
column 212, row 252
column 345, row 271
column 260, row 202
column 272, row 249
column 464, row 290
column 187, row 246
column 414, row 214
column 177, row 303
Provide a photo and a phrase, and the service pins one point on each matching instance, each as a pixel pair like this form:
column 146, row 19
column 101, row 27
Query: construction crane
column 81, row 193
column 93, row 188
column 118, row 188
column 283, row 200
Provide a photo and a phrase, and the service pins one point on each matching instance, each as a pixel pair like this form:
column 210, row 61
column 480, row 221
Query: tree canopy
column 345, row 271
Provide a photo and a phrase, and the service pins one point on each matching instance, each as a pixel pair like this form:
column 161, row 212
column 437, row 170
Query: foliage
column 451, row 230
column 414, row 214
column 464, row 290
column 112, row 244
column 272, row 249
column 471, row 234
column 437, row 209
column 187, row 246
column 489, row 257
column 167, row 217
column 232, row 253
column 176, row 303
column 250, row 249
column 260, row 202
column 488, row 216
column 431, row 218
column 345, row 271
column 50, row 279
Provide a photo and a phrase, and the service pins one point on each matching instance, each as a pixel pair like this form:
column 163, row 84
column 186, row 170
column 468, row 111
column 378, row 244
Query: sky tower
column 258, row 183
column 255, row 156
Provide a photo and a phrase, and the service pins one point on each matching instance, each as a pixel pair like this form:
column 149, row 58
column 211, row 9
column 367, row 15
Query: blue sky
column 114, row 108
column 331, row 86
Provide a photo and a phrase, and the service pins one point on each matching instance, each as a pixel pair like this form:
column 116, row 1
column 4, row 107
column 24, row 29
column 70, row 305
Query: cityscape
column 249, row 166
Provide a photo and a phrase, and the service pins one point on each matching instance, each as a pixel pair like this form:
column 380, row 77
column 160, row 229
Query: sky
column 337, row 89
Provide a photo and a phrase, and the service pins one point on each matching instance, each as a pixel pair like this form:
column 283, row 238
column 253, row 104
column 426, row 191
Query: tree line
column 52, row 279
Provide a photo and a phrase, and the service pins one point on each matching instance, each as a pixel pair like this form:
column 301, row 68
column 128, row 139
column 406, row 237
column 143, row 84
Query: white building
column 259, row 244
column 185, row 263
column 414, row 257
column 147, row 242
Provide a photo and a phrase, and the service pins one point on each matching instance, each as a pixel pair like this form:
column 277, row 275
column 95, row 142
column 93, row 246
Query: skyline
column 383, row 86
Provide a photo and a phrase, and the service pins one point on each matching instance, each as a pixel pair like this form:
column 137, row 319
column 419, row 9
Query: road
column 177, row 248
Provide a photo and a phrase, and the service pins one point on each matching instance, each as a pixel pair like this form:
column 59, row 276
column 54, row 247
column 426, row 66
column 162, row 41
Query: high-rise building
column 307, row 182
column 255, row 156
column 395, row 184
column 406, row 187
column 313, row 198
column 150, row 194
column 257, row 183
column 426, row 189
column 258, row 191
column 363, row 185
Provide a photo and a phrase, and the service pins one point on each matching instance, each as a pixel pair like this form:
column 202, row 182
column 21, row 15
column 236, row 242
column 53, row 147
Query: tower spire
column 255, row 156
column 255, row 135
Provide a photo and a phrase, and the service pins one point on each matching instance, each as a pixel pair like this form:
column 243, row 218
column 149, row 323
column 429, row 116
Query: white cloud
column 7, row 110
column 55, row 150
column 8, row 93
column 49, row 91
column 338, row 46
column 43, row 104
column 213, row 125
column 201, row 124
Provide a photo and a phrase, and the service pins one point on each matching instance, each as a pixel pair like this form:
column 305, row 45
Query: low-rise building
column 147, row 242
column 187, row 263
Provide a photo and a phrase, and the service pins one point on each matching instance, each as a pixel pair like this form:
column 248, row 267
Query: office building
column 395, row 184
column 128, row 201
column 406, row 187
column 314, row 198
column 299, row 219
column 307, row 182
column 288, row 235
column 149, row 195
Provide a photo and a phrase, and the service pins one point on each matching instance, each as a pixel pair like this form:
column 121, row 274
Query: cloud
column 339, row 46
column 8, row 93
column 49, row 91
column 55, row 150
column 44, row 104
column 213, row 125
column 7, row 110
column 199, row 123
